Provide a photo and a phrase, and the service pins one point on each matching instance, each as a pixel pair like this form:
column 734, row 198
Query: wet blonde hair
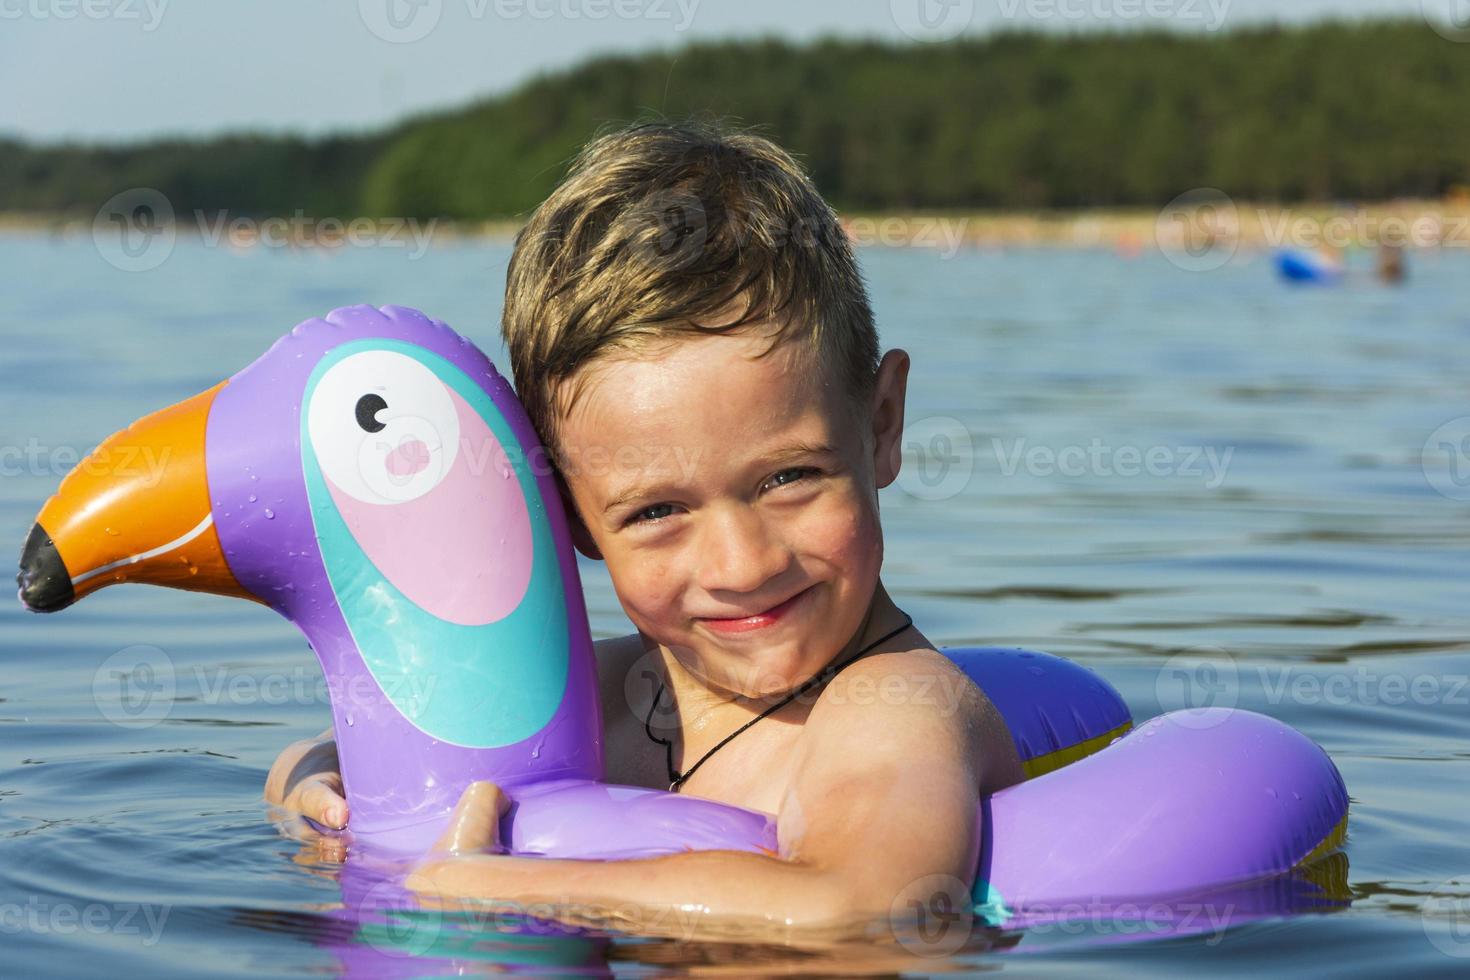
column 663, row 231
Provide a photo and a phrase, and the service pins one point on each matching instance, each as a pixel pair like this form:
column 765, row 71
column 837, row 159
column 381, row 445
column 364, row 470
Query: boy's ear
column 581, row 537
column 889, row 393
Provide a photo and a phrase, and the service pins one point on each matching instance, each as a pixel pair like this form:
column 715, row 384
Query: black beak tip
column 45, row 584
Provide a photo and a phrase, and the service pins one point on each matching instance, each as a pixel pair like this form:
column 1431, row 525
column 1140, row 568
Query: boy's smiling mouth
column 760, row 620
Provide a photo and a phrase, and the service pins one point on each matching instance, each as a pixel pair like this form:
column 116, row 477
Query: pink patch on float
column 462, row 551
column 409, row 457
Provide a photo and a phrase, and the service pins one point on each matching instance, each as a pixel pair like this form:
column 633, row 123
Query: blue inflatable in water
column 1300, row 265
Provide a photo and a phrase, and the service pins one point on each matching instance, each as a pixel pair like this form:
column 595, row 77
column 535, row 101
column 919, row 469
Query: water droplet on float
column 1272, row 793
column 111, row 531
column 270, row 515
column 253, row 498
column 349, row 721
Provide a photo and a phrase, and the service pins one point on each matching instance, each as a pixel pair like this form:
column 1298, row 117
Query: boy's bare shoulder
column 922, row 687
column 918, row 678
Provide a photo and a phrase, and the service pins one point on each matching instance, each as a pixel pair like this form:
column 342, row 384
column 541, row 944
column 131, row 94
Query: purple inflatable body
column 373, row 479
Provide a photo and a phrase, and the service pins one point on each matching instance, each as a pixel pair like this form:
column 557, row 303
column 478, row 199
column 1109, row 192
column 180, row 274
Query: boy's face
column 734, row 499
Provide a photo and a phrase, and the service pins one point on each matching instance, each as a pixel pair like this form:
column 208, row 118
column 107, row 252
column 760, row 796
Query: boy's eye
column 792, row 475
column 651, row 515
column 655, row 513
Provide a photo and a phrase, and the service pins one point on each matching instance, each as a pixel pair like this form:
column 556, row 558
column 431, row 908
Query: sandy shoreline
column 1200, row 220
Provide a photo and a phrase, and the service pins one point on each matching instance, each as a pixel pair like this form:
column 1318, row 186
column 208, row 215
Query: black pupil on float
column 368, row 407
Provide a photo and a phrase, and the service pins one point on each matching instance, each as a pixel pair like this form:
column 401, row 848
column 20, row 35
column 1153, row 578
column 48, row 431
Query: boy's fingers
column 320, row 798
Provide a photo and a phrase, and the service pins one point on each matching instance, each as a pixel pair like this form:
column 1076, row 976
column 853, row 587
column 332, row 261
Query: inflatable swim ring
column 373, row 479
column 1301, row 265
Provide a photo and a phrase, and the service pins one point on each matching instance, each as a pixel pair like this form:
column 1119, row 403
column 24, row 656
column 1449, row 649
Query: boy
column 693, row 342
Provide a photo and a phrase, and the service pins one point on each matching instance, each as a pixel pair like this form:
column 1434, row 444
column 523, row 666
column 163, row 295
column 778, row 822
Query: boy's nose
column 739, row 553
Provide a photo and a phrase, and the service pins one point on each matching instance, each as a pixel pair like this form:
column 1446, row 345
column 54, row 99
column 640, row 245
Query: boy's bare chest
column 751, row 770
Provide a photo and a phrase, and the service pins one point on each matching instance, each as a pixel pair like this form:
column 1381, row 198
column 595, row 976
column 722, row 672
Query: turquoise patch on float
column 474, row 686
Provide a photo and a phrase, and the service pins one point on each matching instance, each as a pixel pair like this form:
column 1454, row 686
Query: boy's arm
column 884, row 797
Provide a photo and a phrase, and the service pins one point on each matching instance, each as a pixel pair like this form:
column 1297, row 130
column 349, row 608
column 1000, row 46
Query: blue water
column 1317, row 566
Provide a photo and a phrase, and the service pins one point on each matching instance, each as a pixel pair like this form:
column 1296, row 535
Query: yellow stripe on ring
column 1050, row 762
column 1330, row 843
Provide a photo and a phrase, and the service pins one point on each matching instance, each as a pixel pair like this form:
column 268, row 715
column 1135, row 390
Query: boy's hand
column 305, row 780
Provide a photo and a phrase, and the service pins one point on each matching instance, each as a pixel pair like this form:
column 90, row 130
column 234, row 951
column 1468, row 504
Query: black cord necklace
column 677, row 778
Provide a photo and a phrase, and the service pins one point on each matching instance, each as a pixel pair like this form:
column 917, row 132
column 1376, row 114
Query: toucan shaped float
column 374, row 479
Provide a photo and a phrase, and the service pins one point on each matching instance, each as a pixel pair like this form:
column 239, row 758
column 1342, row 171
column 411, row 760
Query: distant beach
column 1196, row 221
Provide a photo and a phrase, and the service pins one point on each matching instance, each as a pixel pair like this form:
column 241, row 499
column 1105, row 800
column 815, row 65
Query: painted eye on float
column 368, row 407
column 383, row 427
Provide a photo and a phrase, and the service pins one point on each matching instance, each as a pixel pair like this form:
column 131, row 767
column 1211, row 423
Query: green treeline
column 1018, row 120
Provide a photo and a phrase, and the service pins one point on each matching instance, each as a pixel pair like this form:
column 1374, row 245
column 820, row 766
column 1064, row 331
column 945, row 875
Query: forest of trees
column 1016, row 120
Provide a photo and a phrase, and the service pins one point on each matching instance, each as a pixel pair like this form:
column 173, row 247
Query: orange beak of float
column 136, row 509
